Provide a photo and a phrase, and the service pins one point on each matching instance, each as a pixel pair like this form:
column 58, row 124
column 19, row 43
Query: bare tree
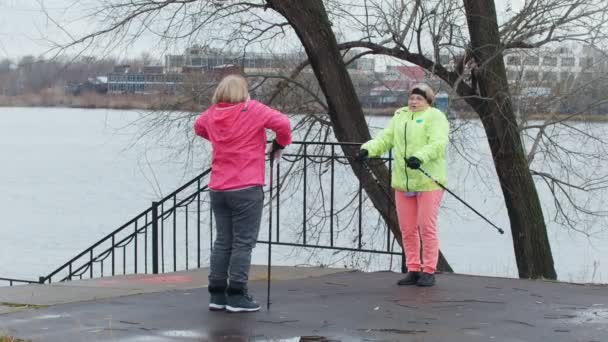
column 479, row 77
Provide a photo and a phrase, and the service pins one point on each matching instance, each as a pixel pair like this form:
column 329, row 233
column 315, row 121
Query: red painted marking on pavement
column 167, row 279
column 108, row 282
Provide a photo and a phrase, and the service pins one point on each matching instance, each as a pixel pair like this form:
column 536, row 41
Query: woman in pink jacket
column 236, row 127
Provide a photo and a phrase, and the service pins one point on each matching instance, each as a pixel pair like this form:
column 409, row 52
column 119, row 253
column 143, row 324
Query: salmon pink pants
column 418, row 221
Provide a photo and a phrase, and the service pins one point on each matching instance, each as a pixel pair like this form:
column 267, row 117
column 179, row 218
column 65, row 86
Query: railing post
column 154, row 247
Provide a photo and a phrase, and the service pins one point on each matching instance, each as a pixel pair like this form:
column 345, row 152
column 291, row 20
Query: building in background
column 155, row 79
column 205, row 58
column 361, row 65
column 97, row 85
column 533, row 74
column 141, row 80
column 548, row 66
column 391, row 87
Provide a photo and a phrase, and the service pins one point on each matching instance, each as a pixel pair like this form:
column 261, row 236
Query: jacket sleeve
column 438, row 138
column 279, row 123
column 199, row 126
column 383, row 142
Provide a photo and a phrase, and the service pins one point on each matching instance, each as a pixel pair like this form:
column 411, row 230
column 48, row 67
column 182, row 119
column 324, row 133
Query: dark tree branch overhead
column 541, row 22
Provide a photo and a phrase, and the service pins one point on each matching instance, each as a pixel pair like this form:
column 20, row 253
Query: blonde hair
column 430, row 94
column 232, row 89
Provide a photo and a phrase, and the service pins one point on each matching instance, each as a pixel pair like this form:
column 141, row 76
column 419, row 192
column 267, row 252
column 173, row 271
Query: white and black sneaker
column 241, row 302
column 217, row 301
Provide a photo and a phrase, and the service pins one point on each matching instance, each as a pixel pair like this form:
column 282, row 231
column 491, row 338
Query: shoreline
column 160, row 103
column 98, row 101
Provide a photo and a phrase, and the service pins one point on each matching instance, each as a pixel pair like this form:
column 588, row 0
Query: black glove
column 276, row 146
column 275, row 150
column 362, row 155
column 413, row 163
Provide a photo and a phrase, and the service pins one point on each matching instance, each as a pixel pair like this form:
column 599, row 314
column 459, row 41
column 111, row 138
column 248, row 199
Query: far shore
column 173, row 103
column 91, row 101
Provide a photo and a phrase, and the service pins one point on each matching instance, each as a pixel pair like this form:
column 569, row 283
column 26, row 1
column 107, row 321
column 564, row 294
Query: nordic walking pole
column 272, row 156
column 460, row 199
column 367, row 168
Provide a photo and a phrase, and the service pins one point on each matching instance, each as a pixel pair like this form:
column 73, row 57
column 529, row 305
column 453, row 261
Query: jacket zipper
column 407, row 178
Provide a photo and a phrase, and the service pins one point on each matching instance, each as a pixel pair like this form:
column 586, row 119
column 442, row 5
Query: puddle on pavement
column 183, row 333
column 592, row 315
column 17, row 321
column 301, row 339
column 191, row 334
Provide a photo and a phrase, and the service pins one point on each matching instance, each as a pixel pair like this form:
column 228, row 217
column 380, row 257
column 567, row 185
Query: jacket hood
column 223, row 118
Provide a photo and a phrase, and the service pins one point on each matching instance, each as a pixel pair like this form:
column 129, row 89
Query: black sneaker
column 410, row 278
column 241, row 303
column 426, row 279
column 217, row 301
column 217, row 298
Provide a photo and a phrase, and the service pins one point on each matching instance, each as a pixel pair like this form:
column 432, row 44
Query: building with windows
column 547, row 67
column 205, row 58
column 361, row 65
column 143, row 83
column 391, row 88
column 154, row 79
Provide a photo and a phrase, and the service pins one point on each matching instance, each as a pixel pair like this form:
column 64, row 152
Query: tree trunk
column 311, row 24
column 531, row 244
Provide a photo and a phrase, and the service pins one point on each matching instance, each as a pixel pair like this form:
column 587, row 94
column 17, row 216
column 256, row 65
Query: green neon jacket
column 423, row 135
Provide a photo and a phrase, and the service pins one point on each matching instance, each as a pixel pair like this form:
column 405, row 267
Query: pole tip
column 501, row 231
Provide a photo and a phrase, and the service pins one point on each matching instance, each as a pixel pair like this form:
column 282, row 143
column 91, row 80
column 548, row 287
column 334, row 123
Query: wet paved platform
column 343, row 306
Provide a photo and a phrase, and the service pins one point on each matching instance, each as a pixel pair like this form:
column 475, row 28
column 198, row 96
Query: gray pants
column 237, row 216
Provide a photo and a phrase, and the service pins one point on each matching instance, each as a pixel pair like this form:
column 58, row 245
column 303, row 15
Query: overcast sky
column 25, row 29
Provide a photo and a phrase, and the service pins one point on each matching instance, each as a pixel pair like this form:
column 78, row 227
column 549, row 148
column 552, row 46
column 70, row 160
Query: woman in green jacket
column 419, row 135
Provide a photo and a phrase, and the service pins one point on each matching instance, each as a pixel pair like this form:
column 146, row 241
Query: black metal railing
column 11, row 282
column 139, row 246
column 329, row 160
column 176, row 232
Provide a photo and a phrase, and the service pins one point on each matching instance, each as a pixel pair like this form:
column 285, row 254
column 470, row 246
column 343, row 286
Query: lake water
column 70, row 176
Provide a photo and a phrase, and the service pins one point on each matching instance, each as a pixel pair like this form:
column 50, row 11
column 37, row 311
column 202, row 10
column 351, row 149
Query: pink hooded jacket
column 237, row 133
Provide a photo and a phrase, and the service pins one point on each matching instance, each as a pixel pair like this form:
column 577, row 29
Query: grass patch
column 22, row 306
column 10, row 339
